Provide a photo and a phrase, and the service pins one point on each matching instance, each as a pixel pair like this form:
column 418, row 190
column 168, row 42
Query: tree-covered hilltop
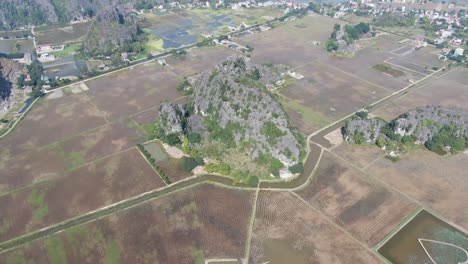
column 438, row 129
column 232, row 118
column 111, row 33
column 343, row 37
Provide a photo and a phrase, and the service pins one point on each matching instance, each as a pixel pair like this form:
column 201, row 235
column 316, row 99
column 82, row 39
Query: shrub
column 189, row 163
column 298, row 168
column 362, row 114
column 272, row 132
column 245, row 177
column 218, row 168
column 172, row 139
column 194, row 138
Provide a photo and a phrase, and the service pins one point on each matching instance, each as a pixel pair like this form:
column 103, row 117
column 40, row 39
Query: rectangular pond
column 426, row 236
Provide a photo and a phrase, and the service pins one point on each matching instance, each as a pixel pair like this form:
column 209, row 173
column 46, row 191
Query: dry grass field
column 68, row 154
column 287, row 230
column 189, row 226
column 435, row 181
column 85, row 189
column 326, row 94
column 291, row 44
column 131, row 91
column 61, row 34
column 449, row 90
column 364, row 207
column 199, row 59
column 45, row 124
column 360, row 156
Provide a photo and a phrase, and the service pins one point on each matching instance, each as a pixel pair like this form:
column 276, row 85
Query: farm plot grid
column 434, row 181
column 88, row 188
column 189, row 226
column 287, row 230
column 365, row 208
column 448, row 90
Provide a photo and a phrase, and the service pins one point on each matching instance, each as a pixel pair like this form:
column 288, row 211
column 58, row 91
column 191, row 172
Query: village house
column 458, row 52
column 124, row 56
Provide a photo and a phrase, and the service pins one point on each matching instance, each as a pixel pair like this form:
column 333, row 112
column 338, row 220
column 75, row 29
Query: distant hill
column 110, row 31
column 18, row 13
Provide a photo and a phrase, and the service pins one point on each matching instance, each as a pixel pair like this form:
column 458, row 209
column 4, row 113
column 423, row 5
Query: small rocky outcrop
column 433, row 126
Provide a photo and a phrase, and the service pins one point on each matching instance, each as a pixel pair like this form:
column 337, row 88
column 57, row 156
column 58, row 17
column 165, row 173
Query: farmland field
column 74, row 156
column 449, row 90
column 435, row 181
column 10, row 45
column 186, row 27
column 61, row 34
column 88, row 188
column 366, row 209
column 199, row 59
column 130, row 91
column 188, row 226
column 326, row 94
column 44, row 124
column 287, row 230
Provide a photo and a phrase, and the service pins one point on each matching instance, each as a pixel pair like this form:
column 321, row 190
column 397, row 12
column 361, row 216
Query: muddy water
column 404, row 246
column 282, row 251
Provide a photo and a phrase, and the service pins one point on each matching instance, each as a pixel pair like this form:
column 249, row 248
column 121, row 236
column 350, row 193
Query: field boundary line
column 355, row 76
column 388, row 97
column 398, row 228
column 408, row 69
column 377, row 180
column 91, row 101
column 19, row 119
column 331, row 221
column 442, row 218
column 66, row 172
column 91, row 216
column 372, row 163
column 250, row 226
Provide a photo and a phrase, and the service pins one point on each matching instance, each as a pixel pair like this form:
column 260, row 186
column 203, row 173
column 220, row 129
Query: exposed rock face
column 171, row 116
column 110, row 31
column 426, row 121
column 421, row 123
column 232, row 98
column 368, row 128
column 18, row 13
column 10, row 70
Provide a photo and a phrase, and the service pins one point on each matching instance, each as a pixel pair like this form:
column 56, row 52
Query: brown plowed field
column 437, row 182
column 185, row 227
column 287, row 230
column 365, row 208
column 85, row 189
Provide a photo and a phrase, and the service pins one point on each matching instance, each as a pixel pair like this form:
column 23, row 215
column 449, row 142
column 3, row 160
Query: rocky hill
column 110, row 31
column 17, row 13
column 433, row 126
column 230, row 106
column 10, row 70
